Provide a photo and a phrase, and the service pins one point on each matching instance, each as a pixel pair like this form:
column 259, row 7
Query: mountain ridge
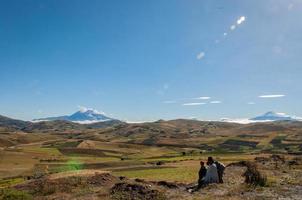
column 16, row 124
column 274, row 116
column 84, row 116
column 60, row 124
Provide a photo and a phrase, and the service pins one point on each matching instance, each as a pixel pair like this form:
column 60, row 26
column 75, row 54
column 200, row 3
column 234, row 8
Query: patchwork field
column 153, row 153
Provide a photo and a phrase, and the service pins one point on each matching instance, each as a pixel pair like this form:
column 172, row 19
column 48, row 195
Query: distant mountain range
column 266, row 117
column 90, row 118
column 152, row 132
column 54, row 125
column 9, row 123
column 273, row 116
column 87, row 116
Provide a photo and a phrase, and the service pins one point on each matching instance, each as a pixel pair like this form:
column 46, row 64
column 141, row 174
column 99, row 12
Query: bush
column 253, row 176
column 125, row 191
column 12, row 194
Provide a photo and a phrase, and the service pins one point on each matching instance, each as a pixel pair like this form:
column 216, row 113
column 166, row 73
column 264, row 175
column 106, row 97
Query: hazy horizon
column 150, row 60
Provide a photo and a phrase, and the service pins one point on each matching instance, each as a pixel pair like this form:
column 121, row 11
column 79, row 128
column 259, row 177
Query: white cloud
column 239, row 121
column 193, row 104
column 251, row 103
column 233, row 27
column 241, row 20
column 169, row 102
column 225, row 34
column 200, row 55
column 193, row 118
column 215, row 102
column 272, row 96
column 85, row 109
column 138, row 122
column 202, row 98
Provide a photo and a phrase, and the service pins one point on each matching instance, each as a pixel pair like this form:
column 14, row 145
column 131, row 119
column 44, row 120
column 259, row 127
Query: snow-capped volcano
column 84, row 116
column 267, row 117
column 88, row 115
column 274, row 116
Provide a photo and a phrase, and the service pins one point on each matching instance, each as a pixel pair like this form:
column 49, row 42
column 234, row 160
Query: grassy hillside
column 155, row 152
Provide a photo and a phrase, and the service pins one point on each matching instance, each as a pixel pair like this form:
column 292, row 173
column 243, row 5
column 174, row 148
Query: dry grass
column 77, row 173
column 252, row 175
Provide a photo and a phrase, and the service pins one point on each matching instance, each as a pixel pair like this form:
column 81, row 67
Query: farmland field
column 160, row 154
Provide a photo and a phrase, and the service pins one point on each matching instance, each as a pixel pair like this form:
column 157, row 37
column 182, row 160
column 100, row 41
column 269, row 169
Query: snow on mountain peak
column 274, row 116
column 84, row 116
column 90, row 110
column 267, row 117
column 278, row 114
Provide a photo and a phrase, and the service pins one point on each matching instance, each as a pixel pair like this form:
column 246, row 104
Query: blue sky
column 146, row 60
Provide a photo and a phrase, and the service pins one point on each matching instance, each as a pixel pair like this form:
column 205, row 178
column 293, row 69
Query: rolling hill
column 13, row 124
column 183, row 133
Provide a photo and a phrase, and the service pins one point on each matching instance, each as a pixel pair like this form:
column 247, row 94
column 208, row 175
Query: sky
column 141, row 60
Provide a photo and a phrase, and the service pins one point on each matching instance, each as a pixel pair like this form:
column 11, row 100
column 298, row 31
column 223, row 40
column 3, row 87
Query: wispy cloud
column 272, row 96
column 215, row 102
column 85, row 109
column 193, row 104
column 169, row 102
column 251, row 103
column 200, row 55
column 202, row 98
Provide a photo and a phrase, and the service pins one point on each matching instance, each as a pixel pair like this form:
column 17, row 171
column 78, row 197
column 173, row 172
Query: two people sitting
column 211, row 174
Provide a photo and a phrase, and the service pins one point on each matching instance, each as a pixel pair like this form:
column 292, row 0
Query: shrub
column 125, row 191
column 252, row 175
column 12, row 194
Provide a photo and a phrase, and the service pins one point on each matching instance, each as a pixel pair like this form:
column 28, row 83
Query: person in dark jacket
column 202, row 173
